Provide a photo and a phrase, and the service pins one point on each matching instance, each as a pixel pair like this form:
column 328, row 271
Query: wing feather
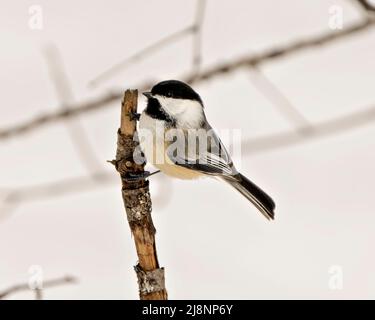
column 209, row 155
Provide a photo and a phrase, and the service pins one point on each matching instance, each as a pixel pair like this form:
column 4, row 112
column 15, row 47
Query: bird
column 175, row 136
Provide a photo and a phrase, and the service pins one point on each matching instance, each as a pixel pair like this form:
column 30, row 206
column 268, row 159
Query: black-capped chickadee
column 183, row 144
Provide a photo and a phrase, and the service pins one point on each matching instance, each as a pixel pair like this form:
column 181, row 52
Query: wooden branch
column 137, row 201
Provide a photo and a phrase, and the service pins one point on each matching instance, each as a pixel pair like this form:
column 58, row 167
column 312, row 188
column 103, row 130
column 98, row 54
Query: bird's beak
column 147, row 94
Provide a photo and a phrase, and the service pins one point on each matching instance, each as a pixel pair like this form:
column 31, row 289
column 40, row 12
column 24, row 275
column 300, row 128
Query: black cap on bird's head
column 174, row 89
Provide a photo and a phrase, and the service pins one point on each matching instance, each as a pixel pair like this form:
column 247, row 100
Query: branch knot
column 150, row 281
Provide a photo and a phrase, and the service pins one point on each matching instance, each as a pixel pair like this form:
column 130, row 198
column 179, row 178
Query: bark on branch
column 137, row 201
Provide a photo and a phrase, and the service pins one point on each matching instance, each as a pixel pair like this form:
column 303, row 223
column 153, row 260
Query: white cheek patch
column 187, row 113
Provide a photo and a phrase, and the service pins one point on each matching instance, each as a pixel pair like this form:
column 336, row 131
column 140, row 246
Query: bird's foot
column 134, row 116
column 134, row 177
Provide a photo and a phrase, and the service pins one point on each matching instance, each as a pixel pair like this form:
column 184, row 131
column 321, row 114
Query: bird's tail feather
column 253, row 193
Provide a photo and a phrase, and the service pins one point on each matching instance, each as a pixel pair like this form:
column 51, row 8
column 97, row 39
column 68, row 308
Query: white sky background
column 211, row 241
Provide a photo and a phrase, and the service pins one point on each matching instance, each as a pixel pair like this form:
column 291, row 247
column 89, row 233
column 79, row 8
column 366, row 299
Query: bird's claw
column 134, row 116
column 134, row 177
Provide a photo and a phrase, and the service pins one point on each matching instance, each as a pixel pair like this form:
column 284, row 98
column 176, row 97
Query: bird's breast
column 151, row 136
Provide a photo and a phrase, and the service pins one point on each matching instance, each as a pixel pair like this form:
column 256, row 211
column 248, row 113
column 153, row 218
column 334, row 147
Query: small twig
column 194, row 29
column 137, row 202
column 141, row 54
column 46, row 284
column 197, row 37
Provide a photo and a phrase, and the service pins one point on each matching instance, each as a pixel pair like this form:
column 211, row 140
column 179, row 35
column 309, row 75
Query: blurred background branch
column 195, row 30
column 64, row 93
column 275, row 52
column 142, row 54
column 197, row 38
column 52, row 283
column 305, row 133
column 318, row 130
column 366, row 5
column 278, row 99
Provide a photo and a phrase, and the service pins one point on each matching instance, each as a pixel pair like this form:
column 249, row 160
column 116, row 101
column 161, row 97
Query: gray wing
column 201, row 150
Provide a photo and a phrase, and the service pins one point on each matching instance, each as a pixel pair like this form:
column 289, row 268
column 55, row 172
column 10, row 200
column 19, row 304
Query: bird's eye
column 169, row 94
